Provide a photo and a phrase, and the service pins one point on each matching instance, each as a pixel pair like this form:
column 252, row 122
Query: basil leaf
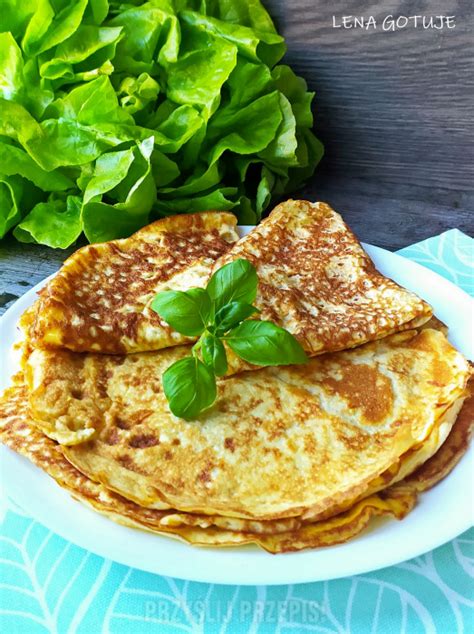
column 213, row 354
column 233, row 282
column 232, row 314
column 189, row 386
column 187, row 312
column 264, row 343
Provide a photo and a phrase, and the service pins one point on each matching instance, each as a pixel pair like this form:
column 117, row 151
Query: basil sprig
column 219, row 313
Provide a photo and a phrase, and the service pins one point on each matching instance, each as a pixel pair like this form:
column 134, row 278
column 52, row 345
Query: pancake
column 16, row 421
column 316, row 281
column 21, row 435
column 100, row 299
column 280, row 442
column 17, row 432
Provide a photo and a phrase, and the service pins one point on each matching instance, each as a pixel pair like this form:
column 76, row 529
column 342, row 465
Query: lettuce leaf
column 115, row 113
column 56, row 223
column 10, row 195
column 11, row 68
column 120, row 194
column 14, row 160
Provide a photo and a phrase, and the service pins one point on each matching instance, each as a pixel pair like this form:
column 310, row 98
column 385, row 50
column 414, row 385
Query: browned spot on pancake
column 442, row 371
column 310, row 445
column 278, row 429
column 125, row 460
column 309, row 410
column 141, row 441
column 101, row 385
column 376, row 401
column 229, row 444
column 139, row 416
column 128, row 463
column 121, row 424
column 204, row 476
column 353, row 440
column 176, row 442
column 112, row 437
column 168, row 455
column 155, row 386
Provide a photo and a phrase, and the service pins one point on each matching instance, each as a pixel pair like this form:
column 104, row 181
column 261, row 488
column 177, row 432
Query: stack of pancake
column 288, row 457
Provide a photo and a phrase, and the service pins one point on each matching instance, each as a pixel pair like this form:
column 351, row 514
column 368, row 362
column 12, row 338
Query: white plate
column 441, row 514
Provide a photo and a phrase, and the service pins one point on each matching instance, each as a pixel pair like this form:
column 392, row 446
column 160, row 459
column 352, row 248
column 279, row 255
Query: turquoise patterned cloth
column 50, row 585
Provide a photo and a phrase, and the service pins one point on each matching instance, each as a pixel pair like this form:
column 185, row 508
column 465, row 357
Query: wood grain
column 395, row 107
column 394, row 110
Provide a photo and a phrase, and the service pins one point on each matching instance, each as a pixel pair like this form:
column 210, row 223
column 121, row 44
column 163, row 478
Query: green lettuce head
column 114, row 114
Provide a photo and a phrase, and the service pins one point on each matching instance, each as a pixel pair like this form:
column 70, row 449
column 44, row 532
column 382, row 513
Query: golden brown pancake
column 280, row 442
column 17, row 433
column 316, row 281
column 100, row 299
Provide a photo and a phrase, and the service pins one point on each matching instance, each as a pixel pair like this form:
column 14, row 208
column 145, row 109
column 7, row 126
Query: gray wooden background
column 394, row 110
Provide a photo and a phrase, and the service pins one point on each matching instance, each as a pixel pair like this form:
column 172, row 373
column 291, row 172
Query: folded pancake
column 405, row 466
column 278, row 443
column 100, row 299
column 20, row 434
column 17, row 432
column 316, row 281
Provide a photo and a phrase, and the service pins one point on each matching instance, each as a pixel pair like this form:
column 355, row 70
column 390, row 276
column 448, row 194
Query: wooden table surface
column 394, row 110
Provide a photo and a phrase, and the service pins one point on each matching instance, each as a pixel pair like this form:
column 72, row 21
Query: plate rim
column 295, row 574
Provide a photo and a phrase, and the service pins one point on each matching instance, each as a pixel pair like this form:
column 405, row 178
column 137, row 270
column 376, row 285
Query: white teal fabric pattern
column 48, row 585
column 451, row 255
